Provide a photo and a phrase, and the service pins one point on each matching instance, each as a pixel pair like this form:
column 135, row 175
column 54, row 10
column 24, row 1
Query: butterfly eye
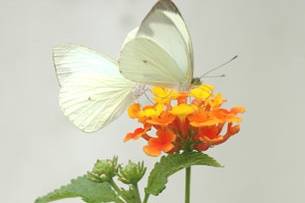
column 196, row 81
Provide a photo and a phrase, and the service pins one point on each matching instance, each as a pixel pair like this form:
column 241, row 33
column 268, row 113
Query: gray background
column 40, row 149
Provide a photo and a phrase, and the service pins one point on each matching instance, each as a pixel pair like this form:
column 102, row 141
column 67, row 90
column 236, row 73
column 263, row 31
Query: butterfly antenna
column 218, row 67
column 215, row 76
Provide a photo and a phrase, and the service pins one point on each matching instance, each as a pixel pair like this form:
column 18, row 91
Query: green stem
column 115, row 187
column 187, row 184
column 137, row 193
column 118, row 191
column 146, row 198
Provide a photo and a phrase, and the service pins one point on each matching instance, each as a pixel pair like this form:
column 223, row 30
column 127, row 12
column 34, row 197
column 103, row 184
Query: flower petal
column 163, row 120
column 202, row 92
column 182, row 110
column 163, row 95
column 139, row 132
column 133, row 110
column 202, row 119
column 216, row 101
column 152, row 111
column 151, row 151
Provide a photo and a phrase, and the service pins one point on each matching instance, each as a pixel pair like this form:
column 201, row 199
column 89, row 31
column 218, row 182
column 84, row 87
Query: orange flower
column 139, row 132
column 163, row 95
column 163, row 120
column 162, row 143
column 202, row 119
column 202, row 92
column 229, row 115
column 216, row 101
column 151, row 111
column 133, row 110
column 181, row 120
column 182, row 97
column 183, row 110
column 212, row 136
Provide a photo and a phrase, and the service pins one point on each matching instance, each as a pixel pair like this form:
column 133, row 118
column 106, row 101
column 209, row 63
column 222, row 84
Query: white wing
column 93, row 92
column 131, row 35
column 161, row 51
column 70, row 59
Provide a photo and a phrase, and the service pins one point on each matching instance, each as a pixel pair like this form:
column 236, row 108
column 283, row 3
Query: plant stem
column 115, row 187
column 118, row 190
column 187, row 184
column 146, row 198
column 137, row 193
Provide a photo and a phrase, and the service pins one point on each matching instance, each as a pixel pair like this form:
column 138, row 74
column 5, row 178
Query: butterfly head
column 196, row 82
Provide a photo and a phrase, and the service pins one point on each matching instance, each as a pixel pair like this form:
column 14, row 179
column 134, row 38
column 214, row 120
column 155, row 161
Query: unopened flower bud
column 132, row 173
column 104, row 170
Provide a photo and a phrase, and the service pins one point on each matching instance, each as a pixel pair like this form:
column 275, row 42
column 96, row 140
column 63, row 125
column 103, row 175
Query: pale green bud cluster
column 104, row 170
column 132, row 173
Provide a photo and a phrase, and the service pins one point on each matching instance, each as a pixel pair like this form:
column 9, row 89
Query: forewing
column 148, row 63
column 165, row 27
column 131, row 36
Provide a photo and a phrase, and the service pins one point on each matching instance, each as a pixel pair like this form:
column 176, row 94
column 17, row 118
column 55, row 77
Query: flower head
column 192, row 120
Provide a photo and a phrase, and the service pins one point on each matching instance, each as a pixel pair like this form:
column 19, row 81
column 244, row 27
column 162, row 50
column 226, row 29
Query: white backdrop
column 40, row 149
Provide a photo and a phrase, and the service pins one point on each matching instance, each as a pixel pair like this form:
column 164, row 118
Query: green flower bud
column 132, row 173
column 104, row 170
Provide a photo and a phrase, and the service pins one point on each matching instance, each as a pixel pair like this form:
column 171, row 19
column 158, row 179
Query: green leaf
column 129, row 195
column 171, row 164
column 89, row 191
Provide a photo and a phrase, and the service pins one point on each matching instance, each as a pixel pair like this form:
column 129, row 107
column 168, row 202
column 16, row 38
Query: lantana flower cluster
column 176, row 121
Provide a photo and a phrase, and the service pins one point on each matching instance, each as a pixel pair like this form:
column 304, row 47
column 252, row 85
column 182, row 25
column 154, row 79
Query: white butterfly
column 93, row 92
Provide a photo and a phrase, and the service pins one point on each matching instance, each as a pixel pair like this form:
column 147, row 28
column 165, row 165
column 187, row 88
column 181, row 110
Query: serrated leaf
column 171, row 164
column 89, row 191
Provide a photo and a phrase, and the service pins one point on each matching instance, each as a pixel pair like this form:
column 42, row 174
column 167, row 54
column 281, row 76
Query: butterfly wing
column 131, row 36
column 161, row 51
column 70, row 59
column 93, row 92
